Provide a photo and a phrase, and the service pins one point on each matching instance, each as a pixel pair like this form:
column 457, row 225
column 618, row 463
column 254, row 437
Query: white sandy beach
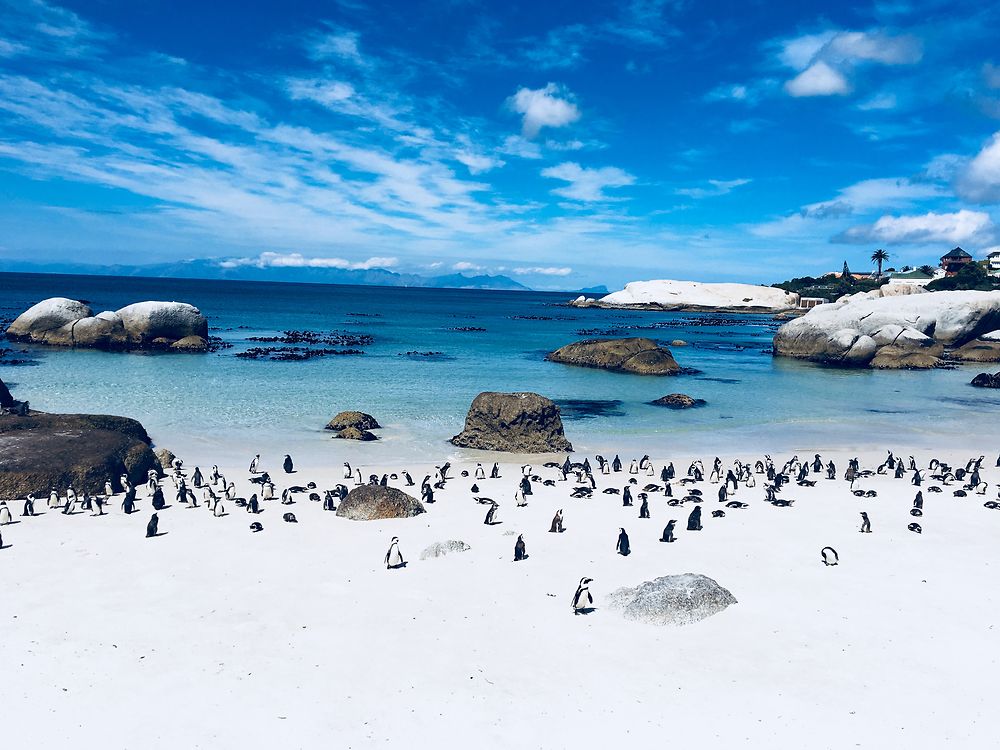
column 212, row 637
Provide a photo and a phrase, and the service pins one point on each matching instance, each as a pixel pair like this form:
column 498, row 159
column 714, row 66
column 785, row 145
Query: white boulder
column 695, row 295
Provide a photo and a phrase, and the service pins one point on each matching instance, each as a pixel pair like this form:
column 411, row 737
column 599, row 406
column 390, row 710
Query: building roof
column 957, row 253
column 994, row 254
column 916, row 273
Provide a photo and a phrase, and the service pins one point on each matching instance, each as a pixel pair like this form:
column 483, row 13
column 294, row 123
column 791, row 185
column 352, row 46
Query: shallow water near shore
column 429, row 359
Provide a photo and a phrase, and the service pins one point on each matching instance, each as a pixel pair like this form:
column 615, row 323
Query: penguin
column 582, row 600
column 622, row 546
column 267, row 491
column 219, row 510
column 519, row 499
column 158, row 502
column 519, row 549
column 626, row 496
column 616, row 465
column 915, row 527
column 668, row 531
column 491, row 513
column 557, row 523
column 480, row 472
column 5, row 517
column 830, row 556
column 394, row 558
column 254, row 463
column 29, row 506
column 347, row 470
column 406, row 476
column 918, row 501
column 328, row 501
column 252, row 505
column 152, row 526
column 287, row 465
column 98, row 506
column 289, row 518
column 644, row 508
column 866, row 525
column 495, row 471
column 256, row 526
column 694, row 520
column 53, row 499
column 196, row 479
column 128, row 504
column 427, row 493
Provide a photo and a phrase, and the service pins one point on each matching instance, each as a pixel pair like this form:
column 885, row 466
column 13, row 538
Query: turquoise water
column 223, row 403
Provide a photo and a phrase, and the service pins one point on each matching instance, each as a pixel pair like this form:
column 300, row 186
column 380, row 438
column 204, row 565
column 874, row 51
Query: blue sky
column 561, row 143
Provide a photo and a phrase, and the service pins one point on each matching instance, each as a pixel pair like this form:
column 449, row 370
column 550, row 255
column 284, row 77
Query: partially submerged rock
column 678, row 401
column 372, row 502
column 983, row 349
column 671, row 600
column 987, row 380
column 513, row 423
column 40, row 451
column 639, row 356
column 357, row 419
column 911, row 331
column 145, row 325
column 353, row 433
column 443, row 549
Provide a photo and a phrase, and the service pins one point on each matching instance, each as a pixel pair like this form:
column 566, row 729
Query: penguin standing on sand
column 196, row 479
column 491, row 513
column 582, row 600
column 866, row 525
column 152, row 526
column 622, row 547
column 495, row 471
column 480, row 472
column 252, row 505
column 5, row 517
column 557, row 523
column 29, row 506
column 668, row 531
column 526, row 486
column 427, row 493
column 347, row 470
column 519, row 549
column 287, row 465
column 616, row 465
column 128, row 504
column 694, row 520
column 394, row 558
column 644, row 508
column 254, row 463
column 626, row 496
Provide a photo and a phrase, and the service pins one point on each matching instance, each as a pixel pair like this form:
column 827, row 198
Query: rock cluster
column 513, row 423
column 671, row 600
column 145, row 325
column 987, row 380
column 883, row 331
column 354, row 425
column 371, row 502
column 639, row 356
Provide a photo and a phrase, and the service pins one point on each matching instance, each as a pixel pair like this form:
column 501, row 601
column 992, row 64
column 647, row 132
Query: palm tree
column 880, row 256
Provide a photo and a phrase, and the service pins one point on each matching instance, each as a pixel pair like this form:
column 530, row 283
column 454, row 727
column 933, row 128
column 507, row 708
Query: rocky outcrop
column 983, row 349
column 638, row 356
column 372, row 502
column 913, row 331
column 443, row 549
column 672, row 600
column 145, row 325
column 357, row 419
column 166, row 458
column 665, row 294
column 513, row 423
column 40, row 451
column 987, row 380
column 678, row 401
column 6, row 399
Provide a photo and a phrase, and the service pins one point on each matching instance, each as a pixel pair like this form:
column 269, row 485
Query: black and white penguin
column 644, row 507
column 158, row 502
column 256, row 526
column 830, row 556
column 29, row 506
column 626, row 496
column 694, row 520
column 668, row 531
column 866, row 525
column 5, row 517
column 622, row 546
column 289, row 518
column 394, row 558
column 495, row 471
column 582, row 600
column 252, row 505
column 616, row 465
column 254, row 463
column 196, row 479
column 152, row 526
column 557, row 523
column 519, row 549
column 491, row 513
column 287, row 465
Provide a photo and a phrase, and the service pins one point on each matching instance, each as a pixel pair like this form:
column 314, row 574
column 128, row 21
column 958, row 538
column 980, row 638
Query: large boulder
column 639, row 356
column 667, row 294
column 911, row 331
column 983, row 349
column 145, row 325
column 513, row 423
column 6, row 399
column 40, row 451
column 987, row 380
column 678, row 401
column 671, row 600
column 357, row 419
column 372, row 502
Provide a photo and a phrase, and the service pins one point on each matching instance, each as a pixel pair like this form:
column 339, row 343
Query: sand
column 212, row 637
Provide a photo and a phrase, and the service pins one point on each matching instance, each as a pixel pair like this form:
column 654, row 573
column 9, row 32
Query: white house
column 994, row 259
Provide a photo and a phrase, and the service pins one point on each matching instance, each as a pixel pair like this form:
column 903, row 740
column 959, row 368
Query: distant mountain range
column 215, row 269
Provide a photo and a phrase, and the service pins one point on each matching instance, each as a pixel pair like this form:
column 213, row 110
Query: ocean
column 481, row 341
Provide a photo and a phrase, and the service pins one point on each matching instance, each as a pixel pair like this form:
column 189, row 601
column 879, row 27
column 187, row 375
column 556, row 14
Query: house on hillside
column 916, row 277
column 994, row 263
column 953, row 262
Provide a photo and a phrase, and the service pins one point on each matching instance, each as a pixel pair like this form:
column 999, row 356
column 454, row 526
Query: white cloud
column 980, row 179
column 327, row 93
column 464, row 265
column 478, row 163
column 715, row 187
column 819, row 79
column 878, row 47
column 586, row 184
column 543, row 270
column 963, row 226
column 991, row 74
column 516, row 145
column 297, row 260
column 339, row 44
column 548, row 107
column 879, row 102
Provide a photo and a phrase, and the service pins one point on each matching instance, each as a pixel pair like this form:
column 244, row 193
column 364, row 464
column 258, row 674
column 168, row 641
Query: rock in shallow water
column 679, row 401
column 353, row 433
column 357, row 419
column 513, row 423
column 639, row 356
column 671, row 600
column 987, row 380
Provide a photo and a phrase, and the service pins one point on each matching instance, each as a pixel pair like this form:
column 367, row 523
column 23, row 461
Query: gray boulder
column 41, row 321
column 678, row 401
column 513, row 423
column 987, row 380
column 671, row 600
column 353, row 433
column 357, row 419
column 979, row 350
column 443, row 549
column 145, row 322
column 371, row 502
column 639, row 356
